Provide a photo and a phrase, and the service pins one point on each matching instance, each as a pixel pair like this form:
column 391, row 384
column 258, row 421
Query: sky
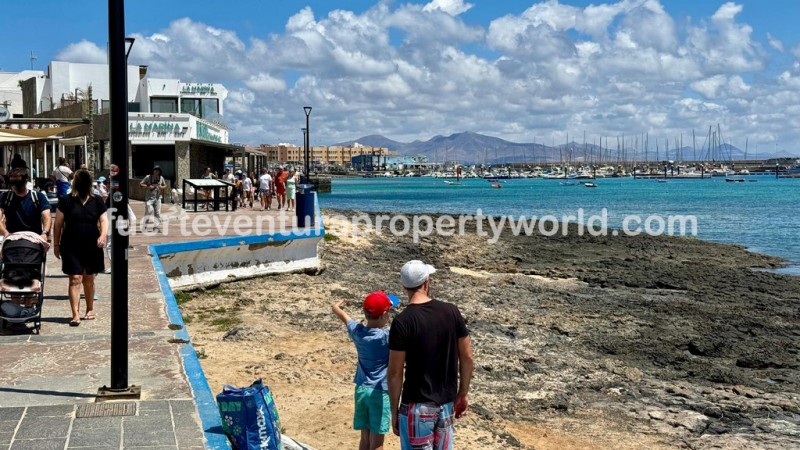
column 519, row 70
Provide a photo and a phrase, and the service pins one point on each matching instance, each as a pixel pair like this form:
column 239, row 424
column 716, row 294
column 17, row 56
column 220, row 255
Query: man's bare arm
column 394, row 377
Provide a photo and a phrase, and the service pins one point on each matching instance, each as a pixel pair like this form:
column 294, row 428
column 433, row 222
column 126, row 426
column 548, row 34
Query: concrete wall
column 197, row 263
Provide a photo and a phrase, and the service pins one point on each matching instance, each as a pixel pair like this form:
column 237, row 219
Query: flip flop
column 88, row 317
column 74, row 323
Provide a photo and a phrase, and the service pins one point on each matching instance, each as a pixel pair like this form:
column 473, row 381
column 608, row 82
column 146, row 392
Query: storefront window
column 163, row 105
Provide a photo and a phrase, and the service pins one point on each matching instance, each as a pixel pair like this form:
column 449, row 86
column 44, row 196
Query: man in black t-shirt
column 429, row 339
column 22, row 209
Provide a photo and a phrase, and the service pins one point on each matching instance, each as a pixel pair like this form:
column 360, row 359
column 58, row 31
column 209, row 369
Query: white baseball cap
column 414, row 273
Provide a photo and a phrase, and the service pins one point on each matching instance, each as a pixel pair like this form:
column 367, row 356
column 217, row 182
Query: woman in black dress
column 79, row 238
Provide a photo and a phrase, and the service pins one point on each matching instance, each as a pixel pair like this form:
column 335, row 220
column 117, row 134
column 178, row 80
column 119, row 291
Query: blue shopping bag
column 249, row 417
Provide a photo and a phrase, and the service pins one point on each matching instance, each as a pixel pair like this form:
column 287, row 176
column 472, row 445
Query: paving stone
column 39, row 444
column 94, row 437
column 50, row 411
column 148, row 439
column 183, row 406
column 154, row 405
column 186, row 421
column 5, row 438
column 156, row 447
column 96, row 448
column 97, row 422
column 11, row 413
column 8, row 425
column 39, row 428
column 161, row 414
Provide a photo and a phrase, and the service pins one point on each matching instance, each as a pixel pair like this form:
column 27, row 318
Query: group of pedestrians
column 78, row 233
column 279, row 185
column 413, row 378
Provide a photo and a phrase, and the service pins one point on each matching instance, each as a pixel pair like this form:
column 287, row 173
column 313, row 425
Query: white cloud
column 83, row 52
column 452, row 7
column 775, row 42
column 411, row 71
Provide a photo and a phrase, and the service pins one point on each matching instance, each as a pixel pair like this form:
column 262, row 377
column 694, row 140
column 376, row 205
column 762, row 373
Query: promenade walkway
column 48, row 381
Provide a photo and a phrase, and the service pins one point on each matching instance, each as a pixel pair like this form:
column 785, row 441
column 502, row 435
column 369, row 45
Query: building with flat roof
column 177, row 125
column 332, row 155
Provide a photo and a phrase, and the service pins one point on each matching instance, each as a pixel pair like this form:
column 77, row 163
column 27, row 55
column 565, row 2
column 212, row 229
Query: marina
column 760, row 216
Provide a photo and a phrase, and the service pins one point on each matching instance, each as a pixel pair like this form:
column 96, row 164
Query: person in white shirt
column 265, row 187
column 247, row 193
column 62, row 176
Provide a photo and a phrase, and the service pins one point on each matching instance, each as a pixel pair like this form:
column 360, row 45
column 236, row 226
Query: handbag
column 249, row 417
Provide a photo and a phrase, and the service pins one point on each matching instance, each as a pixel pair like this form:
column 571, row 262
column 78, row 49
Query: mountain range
column 475, row 148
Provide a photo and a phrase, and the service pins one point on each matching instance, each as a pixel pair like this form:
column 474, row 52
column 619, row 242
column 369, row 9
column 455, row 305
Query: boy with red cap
column 372, row 412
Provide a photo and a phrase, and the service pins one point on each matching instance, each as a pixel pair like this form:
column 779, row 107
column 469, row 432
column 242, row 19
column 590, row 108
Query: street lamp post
column 307, row 110
column 304, row 144
column 118, row 95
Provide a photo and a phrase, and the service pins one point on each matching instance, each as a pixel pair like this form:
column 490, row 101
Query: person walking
column 430, row 363
column 291, row 186
column 154, row 185
column 61, row 176
column 280, row 187
column 79, row 237
column 247, row 192
column 265, row 186
column 22, row 209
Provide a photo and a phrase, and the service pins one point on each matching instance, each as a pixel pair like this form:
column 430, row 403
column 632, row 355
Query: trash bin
column 305, row 205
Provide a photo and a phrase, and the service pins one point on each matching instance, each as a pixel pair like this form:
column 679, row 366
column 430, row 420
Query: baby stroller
column 23, row 256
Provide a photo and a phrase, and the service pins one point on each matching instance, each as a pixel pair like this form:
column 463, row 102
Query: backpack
column 8, row 196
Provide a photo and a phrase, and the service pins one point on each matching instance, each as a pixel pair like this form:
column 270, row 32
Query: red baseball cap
column 379, row 302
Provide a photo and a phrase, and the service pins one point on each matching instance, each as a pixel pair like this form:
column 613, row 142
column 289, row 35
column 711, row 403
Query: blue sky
column 413, row 69
column 52, row 24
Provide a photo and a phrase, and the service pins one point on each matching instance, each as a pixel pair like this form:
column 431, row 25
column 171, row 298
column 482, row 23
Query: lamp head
column 129, row 44
column 307, row 109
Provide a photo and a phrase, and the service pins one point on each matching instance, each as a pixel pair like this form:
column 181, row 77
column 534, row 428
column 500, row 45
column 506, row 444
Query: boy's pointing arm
column 337, row 310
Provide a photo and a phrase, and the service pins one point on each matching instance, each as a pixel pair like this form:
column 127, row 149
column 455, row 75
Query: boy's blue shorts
column 372, row 411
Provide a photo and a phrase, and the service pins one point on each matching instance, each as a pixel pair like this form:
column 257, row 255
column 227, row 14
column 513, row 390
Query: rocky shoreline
column 598, row 342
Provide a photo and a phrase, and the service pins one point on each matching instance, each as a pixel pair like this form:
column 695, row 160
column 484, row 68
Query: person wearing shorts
column 372, row 412
column 265, row 185
column 430, row 362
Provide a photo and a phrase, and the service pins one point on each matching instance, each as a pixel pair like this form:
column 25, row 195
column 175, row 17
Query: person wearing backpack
column 22, row 209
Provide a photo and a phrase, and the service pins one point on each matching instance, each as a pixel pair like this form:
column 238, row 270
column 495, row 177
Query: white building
column 176, row 125
column 10, row 91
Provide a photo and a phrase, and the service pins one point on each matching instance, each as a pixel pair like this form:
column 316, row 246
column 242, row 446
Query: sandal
column 88, row 316
column 74, row 323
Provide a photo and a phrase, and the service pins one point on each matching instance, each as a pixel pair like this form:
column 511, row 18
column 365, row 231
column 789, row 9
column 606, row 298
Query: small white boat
column 590, row 184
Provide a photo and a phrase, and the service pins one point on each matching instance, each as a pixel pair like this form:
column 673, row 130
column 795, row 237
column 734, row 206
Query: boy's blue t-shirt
column 372, row 345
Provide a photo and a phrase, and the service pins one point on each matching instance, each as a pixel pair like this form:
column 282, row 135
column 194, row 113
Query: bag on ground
column 249, row 417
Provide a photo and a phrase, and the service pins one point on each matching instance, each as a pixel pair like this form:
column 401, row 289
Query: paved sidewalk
column 157, row 424
column 44, row 378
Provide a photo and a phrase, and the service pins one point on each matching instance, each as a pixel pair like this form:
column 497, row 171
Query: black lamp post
column 118, row 94
column 307, row 110
column 304, row 144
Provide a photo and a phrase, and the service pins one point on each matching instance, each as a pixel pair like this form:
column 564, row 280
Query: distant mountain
column 475, row 148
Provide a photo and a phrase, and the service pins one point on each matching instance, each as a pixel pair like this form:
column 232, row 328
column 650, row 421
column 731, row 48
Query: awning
column 38, row 133
column 9, row 138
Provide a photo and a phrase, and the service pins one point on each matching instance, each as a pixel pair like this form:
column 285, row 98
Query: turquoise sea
column 763, row 215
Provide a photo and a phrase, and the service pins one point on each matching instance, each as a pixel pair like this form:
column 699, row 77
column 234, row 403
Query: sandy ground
column 601, row 343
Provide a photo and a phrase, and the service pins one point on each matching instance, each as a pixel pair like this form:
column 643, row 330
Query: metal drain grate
column 106, row 410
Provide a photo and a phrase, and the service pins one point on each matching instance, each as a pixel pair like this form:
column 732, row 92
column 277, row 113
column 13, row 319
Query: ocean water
column 763, row 215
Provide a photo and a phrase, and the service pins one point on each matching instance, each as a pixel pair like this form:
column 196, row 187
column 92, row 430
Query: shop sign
column 198, row 89
column 204, row 133
column 155, row 127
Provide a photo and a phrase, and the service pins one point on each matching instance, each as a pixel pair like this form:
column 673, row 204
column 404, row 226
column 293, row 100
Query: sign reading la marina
column 198, row 89
column 155, row 127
